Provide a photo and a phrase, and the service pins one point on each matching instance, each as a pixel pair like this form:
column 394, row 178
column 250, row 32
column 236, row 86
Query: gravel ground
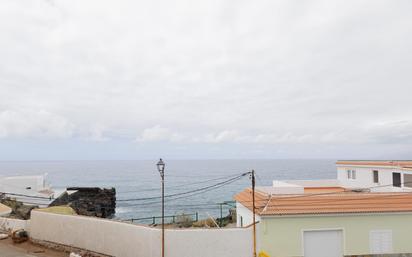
column 26, row 249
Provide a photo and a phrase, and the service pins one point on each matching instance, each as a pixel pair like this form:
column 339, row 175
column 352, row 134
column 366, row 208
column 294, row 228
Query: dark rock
column 18, row 209
column 20, row 236
column 231, row 218
column 90, row 201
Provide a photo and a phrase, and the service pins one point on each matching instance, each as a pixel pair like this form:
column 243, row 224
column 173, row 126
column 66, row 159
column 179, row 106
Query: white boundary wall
column 10, row 225
column 129, row 240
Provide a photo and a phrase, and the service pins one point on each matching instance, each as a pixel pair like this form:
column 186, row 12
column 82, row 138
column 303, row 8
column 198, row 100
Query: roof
column 326, row 203
column 407, row 164
column 315, row 182
column 317, row 190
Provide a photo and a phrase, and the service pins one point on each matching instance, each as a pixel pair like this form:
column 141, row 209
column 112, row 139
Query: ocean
column 140, row 179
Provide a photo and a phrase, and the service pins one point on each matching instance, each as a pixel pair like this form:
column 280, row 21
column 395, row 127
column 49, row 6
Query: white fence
column 9, row 225
column 129, row 240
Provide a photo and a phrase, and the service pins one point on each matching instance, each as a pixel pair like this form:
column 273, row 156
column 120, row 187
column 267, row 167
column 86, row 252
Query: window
column 396, row 179
column 375, row 176
column 407, row 180
column 380, row 241
column 351, row 174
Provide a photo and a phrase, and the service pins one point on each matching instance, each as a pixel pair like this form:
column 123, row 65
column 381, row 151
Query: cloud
column 391, row 132
column 27, row 123
column 228, row 136
column 158, row 133
column 97, row 133
column 209, row 74
column 233, row 136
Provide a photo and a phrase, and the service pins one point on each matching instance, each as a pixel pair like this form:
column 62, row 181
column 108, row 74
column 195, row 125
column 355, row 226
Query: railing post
column 154, row 220
column 197, row 217
column 221, row 215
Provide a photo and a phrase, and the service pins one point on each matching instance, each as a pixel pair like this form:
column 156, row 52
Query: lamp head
column 161, row 166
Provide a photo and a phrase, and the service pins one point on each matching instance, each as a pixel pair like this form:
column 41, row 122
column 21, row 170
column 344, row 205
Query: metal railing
column 194, row 216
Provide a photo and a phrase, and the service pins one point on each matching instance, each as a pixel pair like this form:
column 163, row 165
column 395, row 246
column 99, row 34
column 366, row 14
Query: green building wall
column 282, row 236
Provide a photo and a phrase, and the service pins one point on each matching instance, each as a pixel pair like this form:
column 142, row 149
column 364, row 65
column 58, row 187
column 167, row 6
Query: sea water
column 137, row 179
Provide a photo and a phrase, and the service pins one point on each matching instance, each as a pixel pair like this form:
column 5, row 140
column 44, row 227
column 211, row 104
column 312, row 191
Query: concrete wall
column 127, row 240
column 282, row 236
column 9, row 225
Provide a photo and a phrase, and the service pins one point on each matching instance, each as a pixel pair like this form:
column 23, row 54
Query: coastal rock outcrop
column 89, row 201
column 19, row 210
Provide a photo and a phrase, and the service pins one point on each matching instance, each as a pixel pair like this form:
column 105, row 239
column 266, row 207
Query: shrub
column 184, row 220
column 205, row 223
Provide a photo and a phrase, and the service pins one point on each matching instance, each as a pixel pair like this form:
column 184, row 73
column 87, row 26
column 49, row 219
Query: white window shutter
column 380, row 241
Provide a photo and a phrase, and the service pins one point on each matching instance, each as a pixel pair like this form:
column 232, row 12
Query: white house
column 377, row 175
column 352, row 175
column 366, row 210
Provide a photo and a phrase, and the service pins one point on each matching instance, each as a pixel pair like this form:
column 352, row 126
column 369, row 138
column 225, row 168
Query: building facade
column 365, row 211
column 31, row 190
column 377, row 175
column 336, row 235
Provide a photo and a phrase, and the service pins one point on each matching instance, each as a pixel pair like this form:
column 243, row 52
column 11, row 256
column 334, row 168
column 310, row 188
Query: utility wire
column 187, row 192
column 185, row 196
column 286, row 197
column 28, row 196
column 181, row 185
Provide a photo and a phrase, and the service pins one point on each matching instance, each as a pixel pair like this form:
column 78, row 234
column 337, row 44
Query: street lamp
column 161, row 168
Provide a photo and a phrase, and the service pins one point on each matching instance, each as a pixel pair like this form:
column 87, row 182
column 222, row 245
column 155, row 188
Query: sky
column 184, row 79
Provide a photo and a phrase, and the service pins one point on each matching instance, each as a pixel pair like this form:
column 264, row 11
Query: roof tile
column 327, row 203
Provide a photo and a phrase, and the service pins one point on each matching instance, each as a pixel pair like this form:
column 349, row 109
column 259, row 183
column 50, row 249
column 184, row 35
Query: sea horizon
column 137, row 179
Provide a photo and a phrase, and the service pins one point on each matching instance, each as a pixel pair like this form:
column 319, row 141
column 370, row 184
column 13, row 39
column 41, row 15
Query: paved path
column 8, row 249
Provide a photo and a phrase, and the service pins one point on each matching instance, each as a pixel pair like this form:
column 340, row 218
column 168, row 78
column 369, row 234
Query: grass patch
column 66, row 210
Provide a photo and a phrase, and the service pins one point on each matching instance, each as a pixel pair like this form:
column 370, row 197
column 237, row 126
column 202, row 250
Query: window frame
column 375, row 176
column 353, row 174
column 406, row 181
column 399, row 184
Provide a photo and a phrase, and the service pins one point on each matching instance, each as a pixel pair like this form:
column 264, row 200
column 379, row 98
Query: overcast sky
column 83, row 79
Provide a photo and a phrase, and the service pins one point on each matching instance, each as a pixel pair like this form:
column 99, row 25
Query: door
column 323, row 243
column 396, row 179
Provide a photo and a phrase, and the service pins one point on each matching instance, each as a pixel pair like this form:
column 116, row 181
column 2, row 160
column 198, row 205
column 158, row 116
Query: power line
column 183, row 196
column 286, row 197
column 181, row 185
column 28, row 196
column 188, row 192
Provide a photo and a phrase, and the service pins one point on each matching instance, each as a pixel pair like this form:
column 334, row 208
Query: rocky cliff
column 90, row 201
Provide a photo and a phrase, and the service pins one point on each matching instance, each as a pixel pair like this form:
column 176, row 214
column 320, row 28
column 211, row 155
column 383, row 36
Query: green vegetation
column 66, row 210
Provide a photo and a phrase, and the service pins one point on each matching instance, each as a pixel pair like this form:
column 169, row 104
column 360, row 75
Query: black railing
column 194, row 216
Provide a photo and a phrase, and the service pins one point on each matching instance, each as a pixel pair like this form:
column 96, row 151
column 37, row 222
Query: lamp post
column 254, row 213
column 161, row 168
